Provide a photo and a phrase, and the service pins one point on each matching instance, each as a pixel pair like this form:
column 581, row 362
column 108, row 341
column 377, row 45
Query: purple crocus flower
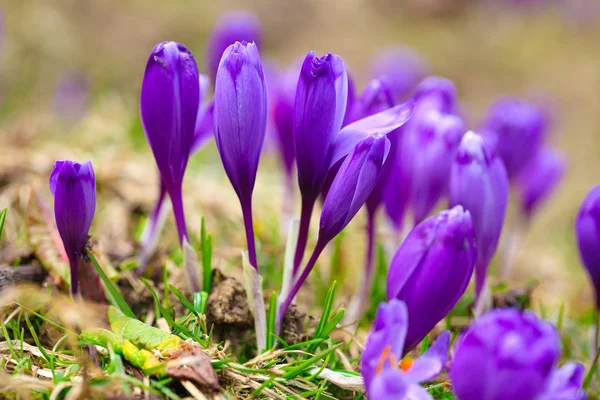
column 402, row 68
column 479, row 183
column 431, row 270
column 350, row 189
column 505, row 354
column 587, row 229
column 538, row 179
column 434, row 94
column 319, row 110
column 231, row 27
column 73, row 187
column 385, row 347
column 241, row 107
column 429, row 146
column 520, row 128
column 565, row 383
column 169, row 106
column 284, row 91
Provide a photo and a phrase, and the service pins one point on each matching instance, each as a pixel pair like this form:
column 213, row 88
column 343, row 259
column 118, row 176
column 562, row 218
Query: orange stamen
column 406, row 364
column 386, row 355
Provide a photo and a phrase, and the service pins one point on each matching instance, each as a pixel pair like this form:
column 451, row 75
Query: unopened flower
column 505, row 354
column 169, row 106
column 73, row 187
column 538, row 179
column 520, row 129
column 587, row 229
column 231, row 27
column 479, row 183
column 240, row 118
column 383, row 375
column 431, row 270
column 284, row 92
column 437, row 93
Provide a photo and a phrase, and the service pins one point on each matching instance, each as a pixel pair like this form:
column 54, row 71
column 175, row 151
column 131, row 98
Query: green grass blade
column 183, row 300
column 271, row 318
column 112, row 291
column 3, row 219
column 206, row 247
column 326, row 309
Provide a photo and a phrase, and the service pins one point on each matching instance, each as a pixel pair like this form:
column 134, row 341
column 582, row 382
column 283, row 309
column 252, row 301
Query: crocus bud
column 520, row 129
column 437, row 93
column 479, row 183
column 431, row 270
column 587, row 228
column 352, row 185
column 565, row 383
column 429, row 146
column 318, row 114
column 402, row 68
column 169, row 105
column 505, row 354
column 237, row 26
column 73, row 187
column 539, row 178
column 241, row 107
column 384, row 349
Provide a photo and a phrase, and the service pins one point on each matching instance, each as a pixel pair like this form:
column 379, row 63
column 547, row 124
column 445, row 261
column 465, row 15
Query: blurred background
column 71, row 70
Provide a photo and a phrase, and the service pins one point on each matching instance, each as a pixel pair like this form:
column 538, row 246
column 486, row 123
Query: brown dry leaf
column 44, row 238
column 195, row 366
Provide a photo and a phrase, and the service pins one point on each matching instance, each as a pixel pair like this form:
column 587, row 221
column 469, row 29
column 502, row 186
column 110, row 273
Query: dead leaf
column 195, row 366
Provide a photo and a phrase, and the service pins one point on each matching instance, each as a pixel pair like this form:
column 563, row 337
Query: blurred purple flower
column 71, row 96
column 429, row 146
column 431, row 270
column 587, row 229
column 204, row 128
column 351, row 187
column 282, row 105
column 73, row 187
column 402, row 68
column 437, row 93
column 385, row 347
column 231, row 27
column 538, row 179
column 479, row 183
column 241, row 111
column 505, row 354
column 348, row 115
column 520, row 129
column 565, row 383
column 169, row 105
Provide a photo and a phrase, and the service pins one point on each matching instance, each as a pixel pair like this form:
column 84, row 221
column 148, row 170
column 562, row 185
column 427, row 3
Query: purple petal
column 388, row 385
column 539, row 178
column 240, row 115
column 587, row 229
column 389, row 329
column 378, row 124
column 565, row 383
column 319, row 109
column 431, row 363
column 204, row 128
column 169, row 106
column 402, row 68
column 352, row 185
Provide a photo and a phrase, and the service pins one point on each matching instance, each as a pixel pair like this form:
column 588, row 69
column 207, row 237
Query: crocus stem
column 177, row 201
column 357, row 304
column 152, row 230
column 74, row 265
column 249, row 226
column 298, row 283
column 597, row 333
column 511, row 244
column 191, row 263
column 305, row 215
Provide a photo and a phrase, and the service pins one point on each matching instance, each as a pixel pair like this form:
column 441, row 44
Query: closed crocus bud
column 402, row 68
column 169, row 106
column 520, row 128
column 505, row 354
column 237, row 26
column 437, row 93
column 241, row 107
column 565, row 383
column 539, row 178
column 479, row 183
column 431, row 270
column 587, row 229
column 73, row 187
column 283, row 114
column 319, row 110
column 429, row 146
column 379, row 364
